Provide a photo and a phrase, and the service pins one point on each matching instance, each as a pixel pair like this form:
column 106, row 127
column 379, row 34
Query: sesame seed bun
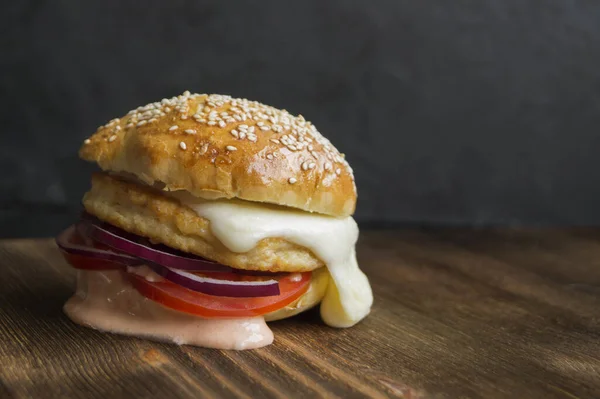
column 215, row 146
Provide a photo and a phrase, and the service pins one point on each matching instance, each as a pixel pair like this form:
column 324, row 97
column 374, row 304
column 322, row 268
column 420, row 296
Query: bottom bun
column 311, row 298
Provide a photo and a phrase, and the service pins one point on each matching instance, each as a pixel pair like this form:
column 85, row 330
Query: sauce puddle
column 106, row 301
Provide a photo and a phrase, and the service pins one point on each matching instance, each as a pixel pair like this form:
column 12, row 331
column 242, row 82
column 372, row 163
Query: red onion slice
column 141, row 248
column 67, row 241
column 216, row 287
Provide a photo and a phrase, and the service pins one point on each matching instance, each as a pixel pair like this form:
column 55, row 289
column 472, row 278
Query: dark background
column 451, row 112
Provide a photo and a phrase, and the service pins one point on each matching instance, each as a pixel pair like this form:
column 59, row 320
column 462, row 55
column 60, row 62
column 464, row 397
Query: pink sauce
column 106, row 301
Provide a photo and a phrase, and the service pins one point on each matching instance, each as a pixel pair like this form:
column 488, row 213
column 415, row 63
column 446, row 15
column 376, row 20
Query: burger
column 210, row 216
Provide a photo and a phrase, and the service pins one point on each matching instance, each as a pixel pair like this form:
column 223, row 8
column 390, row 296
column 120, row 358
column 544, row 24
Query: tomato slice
column 184, row 300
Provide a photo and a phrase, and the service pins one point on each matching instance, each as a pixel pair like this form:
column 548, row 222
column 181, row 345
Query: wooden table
column 458, row 313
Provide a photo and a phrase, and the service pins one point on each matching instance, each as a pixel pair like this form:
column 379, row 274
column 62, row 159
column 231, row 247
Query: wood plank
column 458, row 313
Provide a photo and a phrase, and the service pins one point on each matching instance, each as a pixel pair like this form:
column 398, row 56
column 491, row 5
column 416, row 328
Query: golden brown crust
column 149, row 213
column 247, row 150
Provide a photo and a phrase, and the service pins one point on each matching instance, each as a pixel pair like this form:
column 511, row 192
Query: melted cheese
column 240, row 225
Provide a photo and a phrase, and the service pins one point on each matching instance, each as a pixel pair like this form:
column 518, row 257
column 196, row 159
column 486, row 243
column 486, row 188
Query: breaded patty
column 148, row 212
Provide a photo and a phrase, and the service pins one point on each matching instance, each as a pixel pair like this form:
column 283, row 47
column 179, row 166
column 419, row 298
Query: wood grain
column 458, row 314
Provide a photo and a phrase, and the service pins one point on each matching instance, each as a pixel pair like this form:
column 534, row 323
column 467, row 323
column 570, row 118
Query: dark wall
column 449, row 111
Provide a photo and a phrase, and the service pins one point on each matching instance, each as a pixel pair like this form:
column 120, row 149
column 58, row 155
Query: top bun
column 216, row 146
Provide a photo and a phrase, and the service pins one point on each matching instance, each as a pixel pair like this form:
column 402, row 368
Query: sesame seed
column 190, row 131
column 182, row 145
column 231, row 148
column 87, row 141
column 215, row 109
column 174, row 127
column 338, row 171
column 305, row 165
column 118, row 128
column 292, row 180
column 204, row 148
column 112, row 138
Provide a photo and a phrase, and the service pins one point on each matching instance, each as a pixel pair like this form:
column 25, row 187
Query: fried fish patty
column 148, row 212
